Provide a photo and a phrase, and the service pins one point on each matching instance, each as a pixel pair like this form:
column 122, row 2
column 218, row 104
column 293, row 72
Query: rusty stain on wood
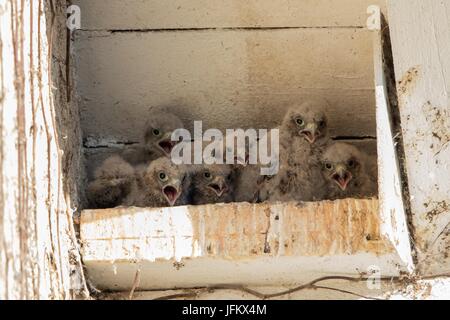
column 242, row 230
column 408, row 81
column 419, row 35
column 438, row 208
column 438, row 118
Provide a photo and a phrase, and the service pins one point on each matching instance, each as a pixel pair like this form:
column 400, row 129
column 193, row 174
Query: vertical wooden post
column 38, row 250
column 392, row 207
column 420, row 33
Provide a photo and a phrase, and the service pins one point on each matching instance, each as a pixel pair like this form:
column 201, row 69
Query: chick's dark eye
column 322, row 123
column 156, row 132
column 207, row 175
column 300, row 121
column 328, row 166
column 351, row 163
column 162, row 176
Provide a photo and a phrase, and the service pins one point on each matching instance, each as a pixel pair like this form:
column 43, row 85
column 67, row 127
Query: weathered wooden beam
column 251, row 244
column 179, row 14
column 39, row 256
column 420, row 32
column 392, row 207
column 432, row 289
column 227, row 79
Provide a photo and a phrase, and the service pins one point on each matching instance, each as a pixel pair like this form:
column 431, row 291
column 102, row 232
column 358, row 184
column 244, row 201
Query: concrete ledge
column 240, row 243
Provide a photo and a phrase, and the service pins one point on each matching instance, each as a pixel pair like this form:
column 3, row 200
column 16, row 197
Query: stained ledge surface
column 252, row 244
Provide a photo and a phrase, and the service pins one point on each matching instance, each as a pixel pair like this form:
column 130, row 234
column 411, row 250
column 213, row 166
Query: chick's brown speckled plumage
column 160, row 184
column 247, row 181
column 156, row 139
column 249, row 177
column 348, row 172
column 303, row 137
column 112, row 182
column 212, row 184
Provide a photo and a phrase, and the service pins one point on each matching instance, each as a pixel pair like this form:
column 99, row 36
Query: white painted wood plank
column 156, row 14
column 435, row 289
column 39, row 257
column 225, row 243
column 392, row 208
column 227, row 79
column 420, row 32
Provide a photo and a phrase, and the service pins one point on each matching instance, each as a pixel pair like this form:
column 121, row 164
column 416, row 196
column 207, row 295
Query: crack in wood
column 255, row 28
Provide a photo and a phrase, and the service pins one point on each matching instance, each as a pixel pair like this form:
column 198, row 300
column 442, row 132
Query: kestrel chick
column 247, row 181
column 304, row 133
column 112, row 182
column 160, row 184
column 212, row 184
column 157, row 139
column 244, row 175
column 303, row 137
column 347, row 172
column 249, row 178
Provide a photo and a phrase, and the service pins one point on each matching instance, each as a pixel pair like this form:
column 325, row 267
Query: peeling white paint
column 420, row 36
column 390, row 191
column 235, row 243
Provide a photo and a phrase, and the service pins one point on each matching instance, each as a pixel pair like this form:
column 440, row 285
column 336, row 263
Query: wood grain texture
column 420, row 32
column 390, row 195
column 226, row 243
column 435, row 289
column 39, row 257
column 241, row 230
column 177, row 14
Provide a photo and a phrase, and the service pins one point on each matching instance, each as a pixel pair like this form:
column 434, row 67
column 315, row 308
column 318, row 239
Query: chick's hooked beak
column 342, row 177
column 166, row 144
column 219, row 186
column 172, row 192
column 311, row 132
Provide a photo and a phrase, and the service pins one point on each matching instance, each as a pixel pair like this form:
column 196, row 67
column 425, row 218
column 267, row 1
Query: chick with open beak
column 158, row 133
column 160, row 184
column 165, row 144
column 303, row 137
column 340, row 174
column 304, row 132
column 345, row 170
column 213, row 184
column 157, row 139
column 311, row 126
